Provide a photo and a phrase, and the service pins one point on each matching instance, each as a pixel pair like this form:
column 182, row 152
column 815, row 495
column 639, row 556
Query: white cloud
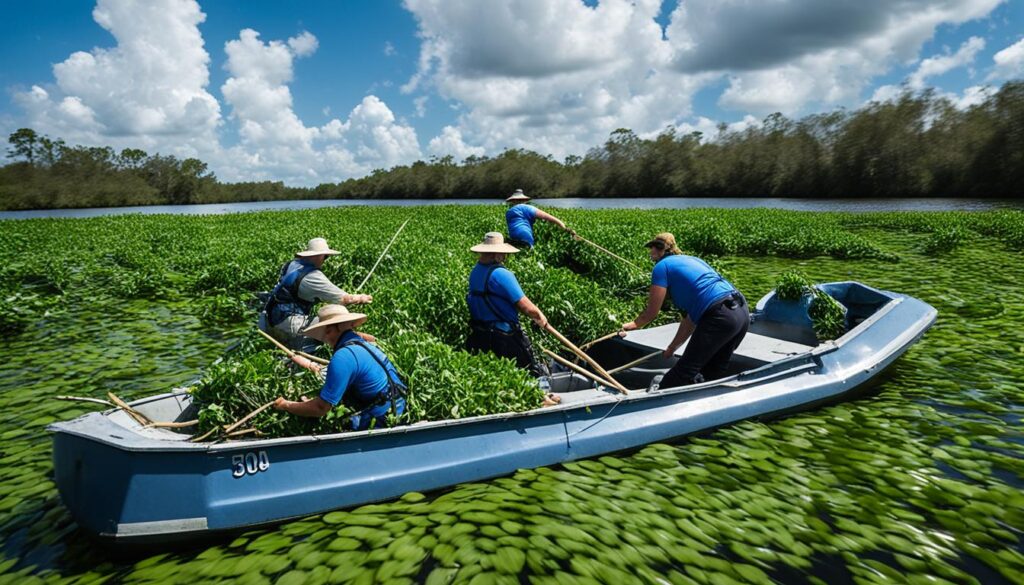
column 389, row 49
column 450, row 142
column 274, row 141
column 304, row 45
column 148, row 91
column 555, row 76
column 784, row 55
column 934, row 66
column 1009, row 62
column 973, row 96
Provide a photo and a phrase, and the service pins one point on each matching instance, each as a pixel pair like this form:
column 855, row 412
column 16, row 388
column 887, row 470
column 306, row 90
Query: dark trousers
column 718, row 334
column 513, row 344
column 520, row 244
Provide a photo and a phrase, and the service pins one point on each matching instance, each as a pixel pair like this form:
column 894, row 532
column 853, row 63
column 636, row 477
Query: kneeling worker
column 359, row 375
column 495, row 300
column 300, row 286
column 716, row 319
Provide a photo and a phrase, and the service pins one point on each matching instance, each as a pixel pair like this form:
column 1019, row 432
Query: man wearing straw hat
column 495, row 300
column 359, row 375
column 716, row 319
column 520, row 218
column 300, row 286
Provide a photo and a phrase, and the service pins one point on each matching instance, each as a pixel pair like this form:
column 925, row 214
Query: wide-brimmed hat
column 663, row 241
column 317, row 247
column 517, row 196
column 332, row 315
column 494, row 242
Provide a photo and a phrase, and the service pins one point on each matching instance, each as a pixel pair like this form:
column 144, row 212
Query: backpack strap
column 395, row 388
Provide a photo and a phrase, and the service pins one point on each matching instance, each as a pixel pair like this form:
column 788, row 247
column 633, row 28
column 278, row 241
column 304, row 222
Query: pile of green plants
column 828, row 317
column 443, row 383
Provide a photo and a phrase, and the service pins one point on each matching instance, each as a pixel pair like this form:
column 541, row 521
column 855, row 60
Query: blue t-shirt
column 352, row 368
column 520, row 220
column 504, row 292
column 693, row 285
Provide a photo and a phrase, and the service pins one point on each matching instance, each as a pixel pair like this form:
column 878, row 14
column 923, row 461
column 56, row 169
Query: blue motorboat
column 132, row 484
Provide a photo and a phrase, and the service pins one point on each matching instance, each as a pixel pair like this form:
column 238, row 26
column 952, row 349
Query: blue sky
column 317, row 91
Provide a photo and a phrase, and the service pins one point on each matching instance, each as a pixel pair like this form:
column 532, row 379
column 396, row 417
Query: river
column 932, row 204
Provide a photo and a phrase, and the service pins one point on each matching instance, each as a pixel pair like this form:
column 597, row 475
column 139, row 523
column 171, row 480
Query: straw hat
column 664, row 241
column 517, row 197
column 317, row 247
column 332, row 315
column 494, row 242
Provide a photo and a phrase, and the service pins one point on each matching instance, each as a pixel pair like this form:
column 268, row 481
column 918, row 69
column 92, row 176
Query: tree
column 24, row 144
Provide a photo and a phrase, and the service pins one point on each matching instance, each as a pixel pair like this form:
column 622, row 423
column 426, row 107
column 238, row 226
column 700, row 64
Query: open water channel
column 922, row 204
column 920, row 480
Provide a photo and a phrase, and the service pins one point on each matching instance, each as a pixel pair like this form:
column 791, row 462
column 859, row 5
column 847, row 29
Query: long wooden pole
column 607, row 251
column 593, row 342
column 388, row 247
column 313, row 358
column 579, row 370
column 597, row 367
column 634, row 362
column 276, row 342
column 138, row 416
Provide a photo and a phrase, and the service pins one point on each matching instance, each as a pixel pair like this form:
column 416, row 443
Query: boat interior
column 778, row 330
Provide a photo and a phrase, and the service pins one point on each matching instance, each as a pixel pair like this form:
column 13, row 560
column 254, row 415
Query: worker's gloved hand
column 279, row 403
column 631, row 326
column 541, row 321
column 360, row 299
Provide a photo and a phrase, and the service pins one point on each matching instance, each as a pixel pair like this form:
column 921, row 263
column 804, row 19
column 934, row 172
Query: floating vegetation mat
column 920, row 480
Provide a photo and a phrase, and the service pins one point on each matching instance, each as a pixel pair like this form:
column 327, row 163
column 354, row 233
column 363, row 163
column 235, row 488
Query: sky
column 319, row 91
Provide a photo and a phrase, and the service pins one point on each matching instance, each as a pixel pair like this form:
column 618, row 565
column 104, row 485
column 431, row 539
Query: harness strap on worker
column 486, row 294
column 286, row 292
column 395, row 388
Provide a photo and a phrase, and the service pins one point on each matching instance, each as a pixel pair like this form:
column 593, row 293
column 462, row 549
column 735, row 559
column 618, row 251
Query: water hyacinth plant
column 828, row 316
column 919, row 481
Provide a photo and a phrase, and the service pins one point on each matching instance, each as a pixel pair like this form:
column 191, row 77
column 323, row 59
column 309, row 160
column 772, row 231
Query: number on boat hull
column 249, row 464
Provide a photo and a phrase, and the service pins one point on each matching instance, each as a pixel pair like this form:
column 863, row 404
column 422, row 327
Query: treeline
column 917, row 146
column 48, row 173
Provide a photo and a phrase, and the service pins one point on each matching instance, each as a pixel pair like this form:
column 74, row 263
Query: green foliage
column 445, row 382
column 19, row 310
column 828, row 316
column 246, row 379
column 945, row 240
column 791, row 286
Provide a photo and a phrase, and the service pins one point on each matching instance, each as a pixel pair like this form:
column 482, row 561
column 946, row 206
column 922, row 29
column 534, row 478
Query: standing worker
column 359, row 375
column 716, row 319
column 300, row 286
column 520, row 218
column 495, row 300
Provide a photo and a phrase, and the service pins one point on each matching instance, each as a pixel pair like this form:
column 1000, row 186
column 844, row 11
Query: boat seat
column 757, row 349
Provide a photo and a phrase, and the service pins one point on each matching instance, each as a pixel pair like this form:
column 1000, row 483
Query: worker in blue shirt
column 495, row 300
column 520, row 218
column 359, row 374
column 716, row 318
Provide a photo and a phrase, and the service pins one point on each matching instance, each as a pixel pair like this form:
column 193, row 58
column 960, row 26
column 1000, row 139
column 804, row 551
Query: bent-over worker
column 495, row 300
column 716, row 319
column 359, row 374
column 300, row 286
column 520, row 218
